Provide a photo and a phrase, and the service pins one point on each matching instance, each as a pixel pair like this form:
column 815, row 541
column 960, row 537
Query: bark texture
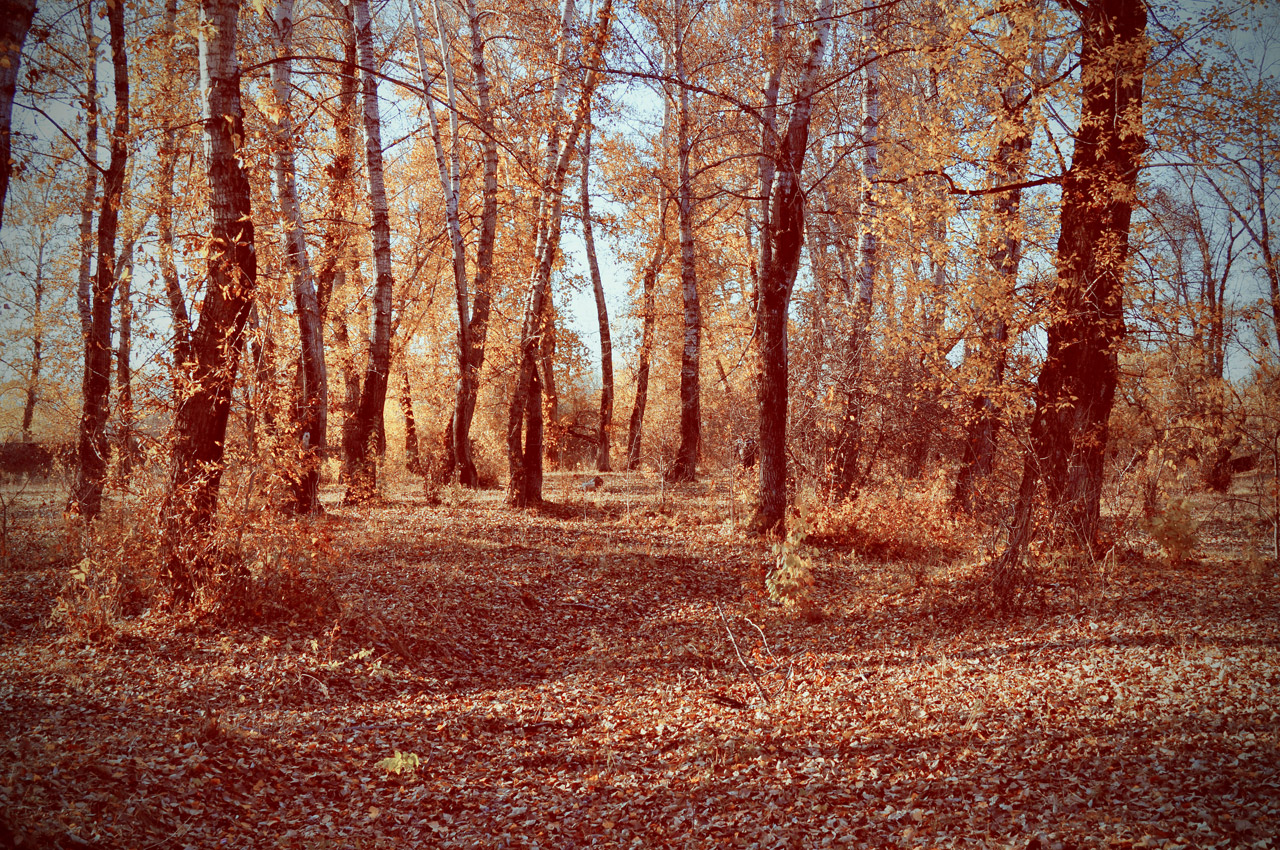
column 364, row 438
column 777, row 279
column 200, row 427
column 1077, row 384
column 311, row 415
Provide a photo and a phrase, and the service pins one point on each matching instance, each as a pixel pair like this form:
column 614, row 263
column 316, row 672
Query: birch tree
column 313, row 404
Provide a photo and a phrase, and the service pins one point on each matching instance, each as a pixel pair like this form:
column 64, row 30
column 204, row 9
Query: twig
column 752, row 673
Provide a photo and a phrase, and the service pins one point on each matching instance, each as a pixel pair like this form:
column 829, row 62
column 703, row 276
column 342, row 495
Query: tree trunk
column 412, row 452
column 126, row 442
column 777, row 279
column 469, row 385
column 84, row 286
column 1077, row 384
column 550, row 394
column 92, row 448
column 200, row 427
column 361, row 448
column 37, row 347
column 167, row 158
column 648, row 302
column 13, row 32
column 685, row 467
column 337, row 257
column 1004, row 254
column 525, row 469
column 846, row 461
column 605, row 426
column 313, row 406
column 648, row 308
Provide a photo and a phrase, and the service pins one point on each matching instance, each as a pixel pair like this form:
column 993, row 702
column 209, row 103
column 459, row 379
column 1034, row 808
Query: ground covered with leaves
column 609, row 672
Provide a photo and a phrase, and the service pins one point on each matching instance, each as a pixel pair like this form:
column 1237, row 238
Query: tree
column 200, row 425
column 1003, row 250
column 847, row 455
column 685, row 465
column 1077, row 384
column 361, row 458
column 313, row 403
column 13, row 32
column 92, row 447
column 524, row 427
column 785, row 232
column 648, row 290
column 605, row 424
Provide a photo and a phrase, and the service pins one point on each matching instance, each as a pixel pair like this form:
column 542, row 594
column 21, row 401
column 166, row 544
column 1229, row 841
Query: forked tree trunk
column 200, row 427
column 91, row 448
column 313, row 403
column 364, row 439
column 14, row 24
column 777, row 279
column 1077, row 384
column 605, row 424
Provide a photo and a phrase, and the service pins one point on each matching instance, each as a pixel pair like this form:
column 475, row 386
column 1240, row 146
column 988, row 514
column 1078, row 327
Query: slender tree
column 362, row 440
column 605, row 423
column 524, row 428
column 313, row 402
column 92, row 447
column 685, row 465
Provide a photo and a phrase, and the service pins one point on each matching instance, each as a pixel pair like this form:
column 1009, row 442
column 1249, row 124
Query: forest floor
column 609, row 672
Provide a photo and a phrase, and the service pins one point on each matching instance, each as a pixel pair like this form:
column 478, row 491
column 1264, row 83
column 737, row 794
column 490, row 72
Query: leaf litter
column 608, row 672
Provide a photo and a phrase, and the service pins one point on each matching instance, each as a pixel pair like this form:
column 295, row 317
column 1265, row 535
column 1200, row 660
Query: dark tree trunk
column 1077, row 384
column 525, row 471
column 777, row 279
column 648, row 307
column 1004, row 254
column 37, row 349
column 92, row 448
column 365, row 438
column 412, row 452
column 605, row 426
column 200, row 428
column 15, row 22
column 550, row 395
column 84, row 280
